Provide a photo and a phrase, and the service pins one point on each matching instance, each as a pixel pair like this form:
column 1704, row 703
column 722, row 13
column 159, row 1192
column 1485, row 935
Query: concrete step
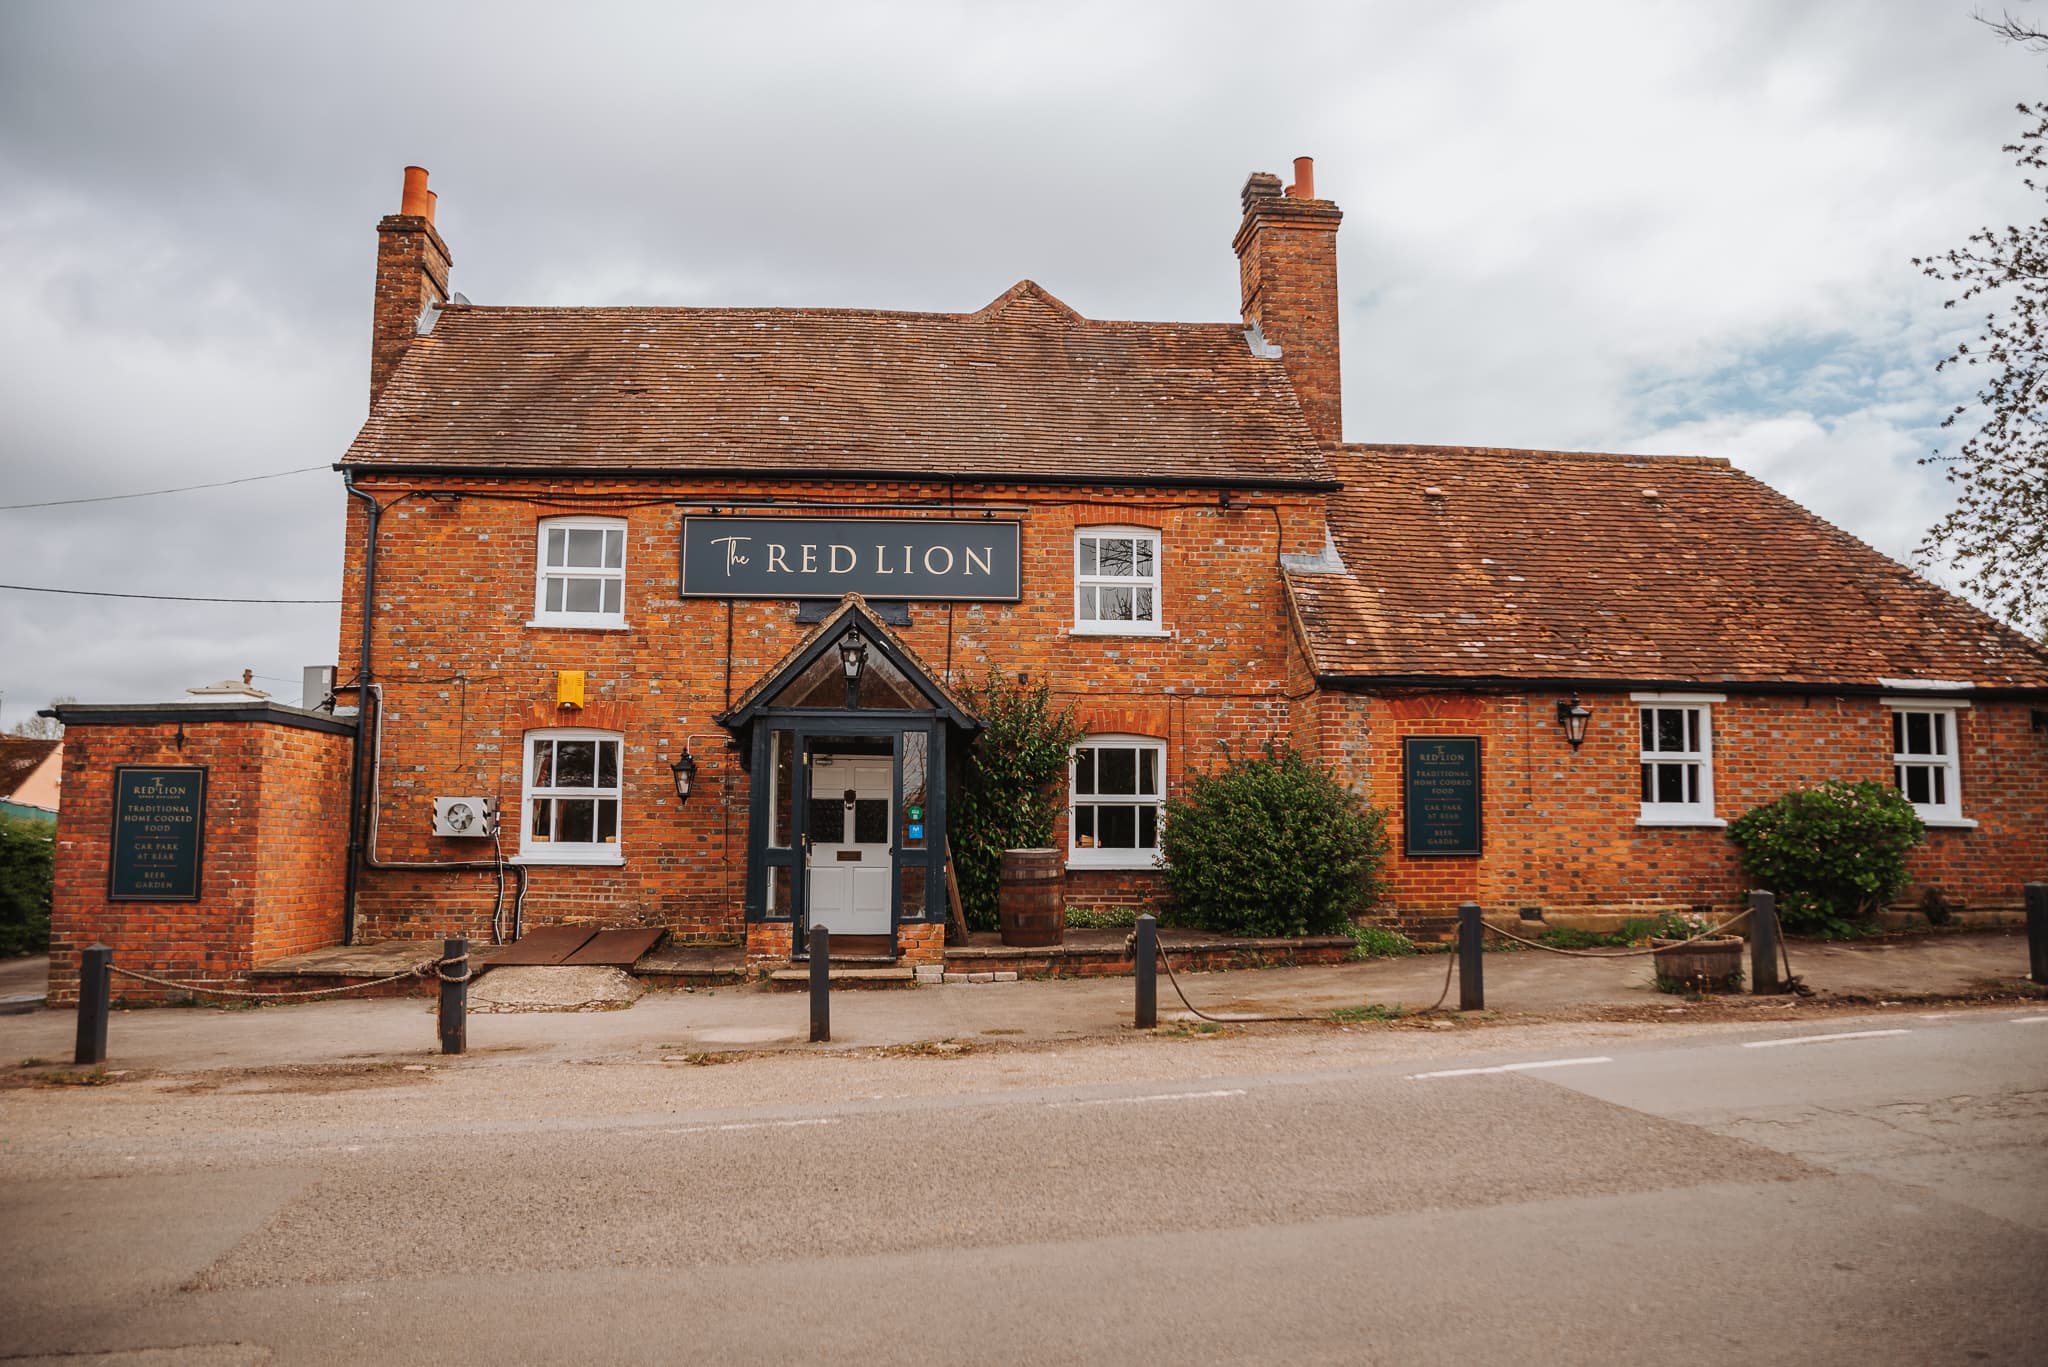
column 799, row 979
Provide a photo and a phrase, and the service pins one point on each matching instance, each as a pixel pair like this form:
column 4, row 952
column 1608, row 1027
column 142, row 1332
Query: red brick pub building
column 606, row 568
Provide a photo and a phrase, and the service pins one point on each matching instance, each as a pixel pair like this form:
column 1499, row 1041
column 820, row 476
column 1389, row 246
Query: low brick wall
column 275, row 843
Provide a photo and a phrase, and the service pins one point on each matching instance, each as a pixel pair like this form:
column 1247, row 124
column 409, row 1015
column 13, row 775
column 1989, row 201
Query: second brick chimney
column 1287, row 270
column 412, row 277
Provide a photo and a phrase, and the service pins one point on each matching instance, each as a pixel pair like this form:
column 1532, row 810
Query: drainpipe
column 355, row 774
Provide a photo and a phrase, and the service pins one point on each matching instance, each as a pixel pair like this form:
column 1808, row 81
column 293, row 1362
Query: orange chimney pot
column 1304, row 186
column 417, row 200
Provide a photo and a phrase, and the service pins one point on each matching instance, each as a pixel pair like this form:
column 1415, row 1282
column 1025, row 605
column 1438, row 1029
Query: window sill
column 610, row 859
column 1081, row 861
column 569, row 624
column 1949, row 823
column 1681, row 819
column 1118, row 631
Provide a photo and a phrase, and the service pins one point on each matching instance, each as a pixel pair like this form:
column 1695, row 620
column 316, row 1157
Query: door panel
column 851, row 855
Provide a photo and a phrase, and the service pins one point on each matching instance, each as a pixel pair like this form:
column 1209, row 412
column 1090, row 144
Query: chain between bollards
column 821, row 984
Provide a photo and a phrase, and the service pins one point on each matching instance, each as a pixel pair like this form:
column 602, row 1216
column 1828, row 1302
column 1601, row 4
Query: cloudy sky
column 1625, row 226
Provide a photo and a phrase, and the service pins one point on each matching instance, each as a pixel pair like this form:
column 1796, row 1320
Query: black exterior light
column 685, row 770
column 1573, row 716
column 853, row 659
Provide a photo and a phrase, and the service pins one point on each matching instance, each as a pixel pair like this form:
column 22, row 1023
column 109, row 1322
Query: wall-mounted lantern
column 853, row 658
column 1573, row 716
column 685, row 770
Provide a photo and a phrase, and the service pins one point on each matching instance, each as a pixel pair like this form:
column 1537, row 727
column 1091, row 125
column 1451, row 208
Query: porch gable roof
column 824, row 636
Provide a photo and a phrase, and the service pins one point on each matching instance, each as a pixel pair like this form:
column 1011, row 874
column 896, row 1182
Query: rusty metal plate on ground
column 546, row 945
column 616, row 948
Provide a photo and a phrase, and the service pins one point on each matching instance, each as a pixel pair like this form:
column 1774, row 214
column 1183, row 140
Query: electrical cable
column 152, row 493
column 161, row 597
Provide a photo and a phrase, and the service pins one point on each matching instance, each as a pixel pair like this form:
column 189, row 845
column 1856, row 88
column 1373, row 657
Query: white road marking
column 1159, row 1096
column 1512, row 1067
column 1822, row 1039
column 753, row 1125
column 2029, row 1020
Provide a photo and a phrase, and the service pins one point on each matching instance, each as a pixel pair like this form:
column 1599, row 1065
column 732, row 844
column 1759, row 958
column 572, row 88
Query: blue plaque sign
column 159, row 834
column 1441, row 794
column 918, row 559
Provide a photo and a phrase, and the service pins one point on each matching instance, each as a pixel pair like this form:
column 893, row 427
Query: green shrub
column 27, row 851
column 1102, row 918
column 1272, row 845
column 1373, row 942
column 1833, row 854
column 1011, row 795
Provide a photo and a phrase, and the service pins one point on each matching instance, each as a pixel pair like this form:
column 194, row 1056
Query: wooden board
column 953, row 896
column 546, row 945
column 616, row 948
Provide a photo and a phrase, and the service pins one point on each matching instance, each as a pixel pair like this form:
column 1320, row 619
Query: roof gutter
column 1318, row 486
column 1510, row 683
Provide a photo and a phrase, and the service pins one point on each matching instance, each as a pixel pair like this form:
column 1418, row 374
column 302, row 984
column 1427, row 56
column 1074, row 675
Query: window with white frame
column 1115, row 792
column 572, row 797
column 1924, row 760
column 1116, row 580
column 1677, row 759
column 581, row 572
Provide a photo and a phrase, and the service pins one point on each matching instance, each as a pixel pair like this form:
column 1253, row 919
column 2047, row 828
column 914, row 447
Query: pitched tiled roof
column 19, row 757
column 1022, row 389
column 1544, row 564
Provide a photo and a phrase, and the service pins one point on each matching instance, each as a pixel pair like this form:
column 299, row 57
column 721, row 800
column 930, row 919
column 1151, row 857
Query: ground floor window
column 572, row 795
column 1114, row 795
column 1676, row 758
column 1924, row 761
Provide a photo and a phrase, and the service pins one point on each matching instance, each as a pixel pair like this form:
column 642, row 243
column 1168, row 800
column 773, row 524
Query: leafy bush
column 1374, row 942
column 1833, row 854
column 1009, row 799
column 27, row 850
column 1102, row 918
column 1272, row 845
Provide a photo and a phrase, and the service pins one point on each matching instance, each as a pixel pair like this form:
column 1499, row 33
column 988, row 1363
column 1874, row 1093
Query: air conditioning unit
column 465, row 816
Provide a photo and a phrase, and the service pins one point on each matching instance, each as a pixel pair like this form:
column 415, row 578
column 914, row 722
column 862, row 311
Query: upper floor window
column 1114, row 796
column 1116, row 579
column 1677, row 758
column 581, row 577
column 1924, row 761
column 572, row 795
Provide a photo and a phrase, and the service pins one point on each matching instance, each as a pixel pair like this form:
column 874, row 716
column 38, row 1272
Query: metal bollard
column 455, row 999
column 1145, row 962
column 2037, row 931
column 1471, row 959
column 95, row 990
column 1763, row 944
column 821, row 984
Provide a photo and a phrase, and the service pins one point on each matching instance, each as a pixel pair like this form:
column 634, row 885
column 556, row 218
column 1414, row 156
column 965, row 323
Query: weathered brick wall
column 1560, row 826
column 271, row 877
column 465, row 678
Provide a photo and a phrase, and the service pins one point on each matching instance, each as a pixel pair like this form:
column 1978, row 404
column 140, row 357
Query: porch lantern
column 1573, row 716
column 853, row 659
column 685, row 770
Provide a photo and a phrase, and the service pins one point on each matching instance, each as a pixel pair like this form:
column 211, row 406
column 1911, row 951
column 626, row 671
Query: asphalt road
column 1645, row 1194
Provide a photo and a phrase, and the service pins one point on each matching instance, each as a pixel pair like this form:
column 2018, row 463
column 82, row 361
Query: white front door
column 850, row 848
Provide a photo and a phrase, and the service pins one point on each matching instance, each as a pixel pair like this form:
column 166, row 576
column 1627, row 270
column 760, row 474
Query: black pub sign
column 159, row 834
column 933, row 559
column 1441, row 794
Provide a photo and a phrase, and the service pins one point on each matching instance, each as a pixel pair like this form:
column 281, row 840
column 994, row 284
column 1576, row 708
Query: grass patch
column 1375, row 942
column 1371, row 1011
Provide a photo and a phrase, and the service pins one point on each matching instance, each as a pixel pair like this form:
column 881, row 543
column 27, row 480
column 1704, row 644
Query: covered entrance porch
column 848, row 741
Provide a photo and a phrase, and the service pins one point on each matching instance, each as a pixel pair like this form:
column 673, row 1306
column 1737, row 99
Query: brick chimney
column 412, row 276
column 1287, row 270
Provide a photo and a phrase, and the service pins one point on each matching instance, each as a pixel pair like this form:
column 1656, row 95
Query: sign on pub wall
column 932, row 559
column 1441, row 794
column 159, row 834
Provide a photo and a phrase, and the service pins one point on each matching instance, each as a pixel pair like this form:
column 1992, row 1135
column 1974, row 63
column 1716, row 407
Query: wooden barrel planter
column 1033, row 906
column 1704, row 965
